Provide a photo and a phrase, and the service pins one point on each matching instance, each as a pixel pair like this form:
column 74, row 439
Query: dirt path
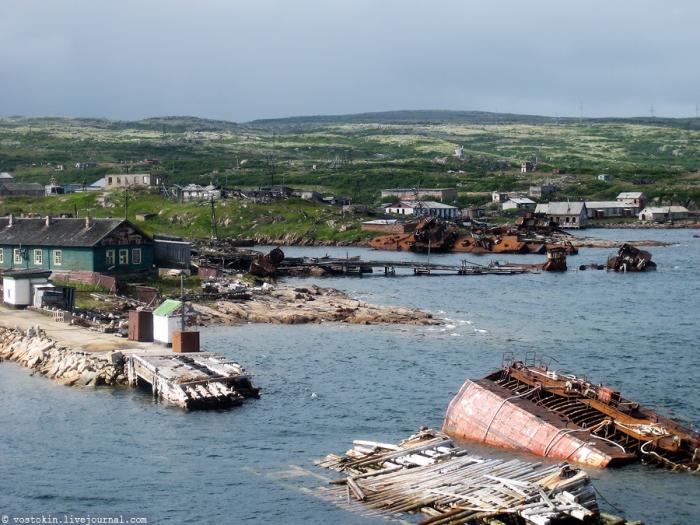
column 74, row 337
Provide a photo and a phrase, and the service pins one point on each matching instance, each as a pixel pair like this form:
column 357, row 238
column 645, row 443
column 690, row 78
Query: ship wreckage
column 431, row 475
column 526, row 406
column 531, row 234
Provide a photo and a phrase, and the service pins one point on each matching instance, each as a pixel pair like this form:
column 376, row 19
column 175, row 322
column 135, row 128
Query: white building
column 663, row 213
column 195, row 192
column 604, row 177
column 432, row 208
column 18, row 286
column 167, row 318
column 519, row 203
column 565, row 214
column 499, row 196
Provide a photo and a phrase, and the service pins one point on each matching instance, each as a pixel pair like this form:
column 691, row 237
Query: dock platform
column 192, row 381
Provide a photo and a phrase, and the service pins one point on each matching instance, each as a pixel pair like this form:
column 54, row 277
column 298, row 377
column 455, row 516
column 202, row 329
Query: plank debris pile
column 202, row 380
column 427, row 473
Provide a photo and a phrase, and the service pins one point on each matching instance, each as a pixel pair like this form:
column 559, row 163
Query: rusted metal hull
column 531, row 408
column 485, row 412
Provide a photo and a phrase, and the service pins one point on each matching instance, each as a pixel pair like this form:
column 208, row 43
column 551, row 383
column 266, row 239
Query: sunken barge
column 526, row 406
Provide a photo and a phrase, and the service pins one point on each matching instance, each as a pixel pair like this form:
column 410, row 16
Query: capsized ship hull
column 536, row 410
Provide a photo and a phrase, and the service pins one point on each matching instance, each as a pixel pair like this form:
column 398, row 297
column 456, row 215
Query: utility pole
column 214, row 234
column 126, row 203
column 182, row 300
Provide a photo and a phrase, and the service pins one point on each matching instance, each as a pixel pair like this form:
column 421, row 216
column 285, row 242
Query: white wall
column 163, row 328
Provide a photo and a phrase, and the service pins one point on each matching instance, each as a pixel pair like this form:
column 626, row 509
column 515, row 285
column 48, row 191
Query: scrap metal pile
column 428, row 473
column 531, row 234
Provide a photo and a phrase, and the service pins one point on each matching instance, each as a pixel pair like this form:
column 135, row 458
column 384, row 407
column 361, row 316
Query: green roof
column 168, row 307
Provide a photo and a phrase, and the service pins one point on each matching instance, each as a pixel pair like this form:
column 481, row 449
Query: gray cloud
column 266, row 58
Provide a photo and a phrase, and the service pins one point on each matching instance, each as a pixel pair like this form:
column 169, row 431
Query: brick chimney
column 48, row 221
column 11, row 221
column 88, row 222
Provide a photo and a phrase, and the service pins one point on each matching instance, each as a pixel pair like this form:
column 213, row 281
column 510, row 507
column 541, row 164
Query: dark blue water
column 115, row 451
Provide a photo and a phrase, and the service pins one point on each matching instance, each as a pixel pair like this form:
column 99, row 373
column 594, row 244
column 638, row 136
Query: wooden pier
column 427, row 473
column 191, row 381
column 358, row 267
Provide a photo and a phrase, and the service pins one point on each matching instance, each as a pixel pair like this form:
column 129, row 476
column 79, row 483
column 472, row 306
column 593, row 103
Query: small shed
column 167, row 318
column 18, row 286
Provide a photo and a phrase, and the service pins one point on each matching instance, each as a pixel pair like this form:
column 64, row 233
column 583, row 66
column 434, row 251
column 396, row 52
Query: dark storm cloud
column 265, row 58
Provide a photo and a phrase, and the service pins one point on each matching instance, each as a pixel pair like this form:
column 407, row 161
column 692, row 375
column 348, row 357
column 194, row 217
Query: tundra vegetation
column 353, row 156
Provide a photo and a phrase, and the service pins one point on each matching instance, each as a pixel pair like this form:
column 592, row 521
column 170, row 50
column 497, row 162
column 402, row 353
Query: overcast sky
column 243, row 60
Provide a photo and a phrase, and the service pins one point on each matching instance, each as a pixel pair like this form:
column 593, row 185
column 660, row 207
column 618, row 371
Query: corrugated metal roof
column 22, row 186
column 59, row 232
column 168, row 307
column 561, row 208
column 630, row 195
column 425, row 204
column 608, row 204
column 665, row 209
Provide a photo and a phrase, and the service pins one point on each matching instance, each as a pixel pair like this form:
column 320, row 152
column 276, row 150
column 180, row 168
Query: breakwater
column 34, row 350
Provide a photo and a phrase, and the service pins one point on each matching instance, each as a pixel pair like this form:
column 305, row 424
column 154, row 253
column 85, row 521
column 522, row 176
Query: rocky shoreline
column 284, row 304
column 34, row 350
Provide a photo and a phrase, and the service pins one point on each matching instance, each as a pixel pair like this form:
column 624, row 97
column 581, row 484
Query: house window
column 109, row 180
column 17, row 253
column 58, row 257
column 136, row 256
column 145, row 180
column 110, row 258
column 123, row 256
column 38, row 257
column 119, row 180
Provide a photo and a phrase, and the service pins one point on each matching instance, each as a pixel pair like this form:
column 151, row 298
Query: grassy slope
column 235, row 218
column 355, row 156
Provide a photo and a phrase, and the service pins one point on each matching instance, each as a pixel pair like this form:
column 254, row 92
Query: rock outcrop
column 284, row 304
column 44, row 356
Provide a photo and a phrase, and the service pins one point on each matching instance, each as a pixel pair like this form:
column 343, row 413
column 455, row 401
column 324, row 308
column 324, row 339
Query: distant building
column 423, row 208
column 195, row 192
column 441, row 194
column 604, row 177
column 663, row 213
column 565, row 214
column 499, row 196
column 388, row 226
column 519, row 203
column 152, row 162
column 603, row 209
column 5, row 176
column 307, row 195
column 633, row 197
column 527, row 167
column 126, row 180
column 95, row 245
column 542, row 191
column 459, row 152
column 21, row 189
column 558, row 171
column 474, row 212
column 85, row 165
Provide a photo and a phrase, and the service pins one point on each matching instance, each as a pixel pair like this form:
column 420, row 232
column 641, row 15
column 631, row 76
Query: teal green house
column 109, row 246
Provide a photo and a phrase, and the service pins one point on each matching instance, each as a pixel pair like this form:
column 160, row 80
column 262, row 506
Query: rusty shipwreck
column 435, row 235
column 527, row 406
